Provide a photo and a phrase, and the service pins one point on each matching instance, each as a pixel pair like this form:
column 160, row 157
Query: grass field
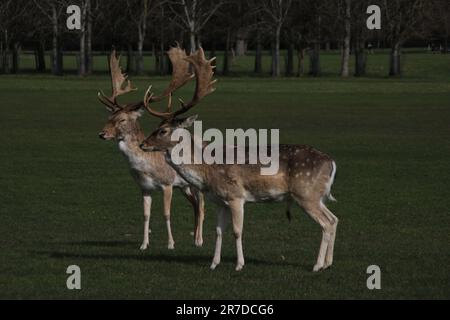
column 67, row 197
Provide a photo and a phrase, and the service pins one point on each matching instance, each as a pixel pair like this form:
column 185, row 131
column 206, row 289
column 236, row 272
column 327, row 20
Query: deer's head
column 123, row 119
column 122, row 123
column 161, row 138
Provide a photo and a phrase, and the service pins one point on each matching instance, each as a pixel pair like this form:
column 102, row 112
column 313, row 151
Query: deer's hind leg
column 315, row 209
column 334, row 222
column 197, row 201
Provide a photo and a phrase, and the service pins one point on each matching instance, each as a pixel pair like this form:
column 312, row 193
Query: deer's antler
column 180, row 71
column 120, row 84
column 203, row 70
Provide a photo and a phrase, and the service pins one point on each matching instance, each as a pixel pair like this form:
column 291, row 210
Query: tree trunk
column 59, row 58
column 315, row 60
column 55, row 43
column 142, row 32
column 15, row 58
column 360, row 58
column 157, row 63
column 192, row 39
column 131, row 67
column 163, row 61
column 301, row 62
column 40, row 57
column 82, row 54
column 226, row 62
column 346, row 43
column 290, row 60
column 276, row 54
column 89, row 56
column 5, row 58
column 1, row 55
column 140, row 54
column 258, row 54
column 395, row 67
column 241, row 47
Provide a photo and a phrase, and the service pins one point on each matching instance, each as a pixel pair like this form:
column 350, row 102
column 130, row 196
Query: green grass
column 67, row 197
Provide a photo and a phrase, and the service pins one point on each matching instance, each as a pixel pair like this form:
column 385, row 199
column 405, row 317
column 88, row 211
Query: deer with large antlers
column 305, row 175
column 150, row 170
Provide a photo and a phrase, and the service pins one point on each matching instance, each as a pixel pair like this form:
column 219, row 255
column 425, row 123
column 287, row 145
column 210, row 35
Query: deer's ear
column 188, row 122
column 138, row 112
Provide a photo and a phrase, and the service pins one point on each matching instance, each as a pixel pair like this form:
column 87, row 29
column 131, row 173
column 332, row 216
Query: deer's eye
column 163, row 132
column 122, row 121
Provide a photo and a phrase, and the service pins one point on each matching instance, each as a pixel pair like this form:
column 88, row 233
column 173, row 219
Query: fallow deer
column 305, row 175
column 150, row 170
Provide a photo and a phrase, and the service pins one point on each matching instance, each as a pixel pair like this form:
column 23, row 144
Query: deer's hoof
column 171, row 246
column 239, row 267
column 214, row 265
column 144, row 246
column 317, row 268
column 199, row 243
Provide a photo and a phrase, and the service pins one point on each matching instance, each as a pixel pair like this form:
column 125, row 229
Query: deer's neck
column 129, row 144
column 195, row 175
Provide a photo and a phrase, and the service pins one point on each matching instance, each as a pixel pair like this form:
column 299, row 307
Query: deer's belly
column 270, row 195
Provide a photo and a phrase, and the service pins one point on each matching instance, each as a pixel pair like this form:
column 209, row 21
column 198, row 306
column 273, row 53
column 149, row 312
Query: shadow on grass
column 111, row 244
column 171, row 258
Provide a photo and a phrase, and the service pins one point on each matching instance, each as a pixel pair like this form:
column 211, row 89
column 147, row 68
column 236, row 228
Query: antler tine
column 148, row 98
column 204, row 72
column 119, row 78
column 120, row 84
column 180, row 71
column 180, row 76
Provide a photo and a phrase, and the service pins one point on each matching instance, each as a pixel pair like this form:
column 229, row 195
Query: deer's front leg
column 237, row 217
column 222, row 219
column 147, row 201
column 167, row 194
column 199, row 220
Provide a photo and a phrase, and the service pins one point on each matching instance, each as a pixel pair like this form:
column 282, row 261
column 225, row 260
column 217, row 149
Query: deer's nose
column 101, row 135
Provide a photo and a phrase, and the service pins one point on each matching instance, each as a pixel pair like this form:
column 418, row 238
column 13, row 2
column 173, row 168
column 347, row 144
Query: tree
column 347, row 37
column 360, row 35
column 139, row 13
column 13, row 32
column 85, row 22
column 403, row 19
column 193, row 15
column 276, row 12
column 53, row 10
column 312, row 15
column 439, row 21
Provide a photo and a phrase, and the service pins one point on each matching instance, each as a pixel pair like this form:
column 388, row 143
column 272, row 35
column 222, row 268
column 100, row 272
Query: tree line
column 300, row 27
